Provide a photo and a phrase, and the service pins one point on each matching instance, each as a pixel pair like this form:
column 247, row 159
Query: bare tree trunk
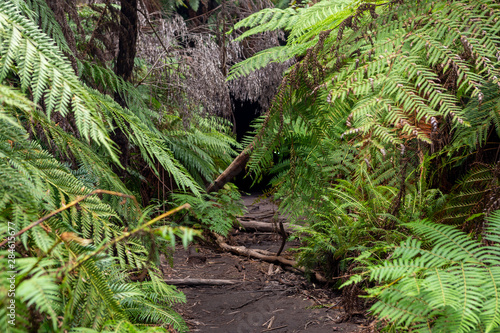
column 128, row 39
column 127, row 48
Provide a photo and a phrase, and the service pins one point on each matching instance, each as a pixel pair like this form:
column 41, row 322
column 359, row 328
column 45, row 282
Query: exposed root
column 264, row 255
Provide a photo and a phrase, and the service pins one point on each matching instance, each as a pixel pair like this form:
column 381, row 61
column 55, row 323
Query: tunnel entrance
column 245, row 112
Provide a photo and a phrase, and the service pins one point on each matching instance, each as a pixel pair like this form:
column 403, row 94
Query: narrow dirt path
column 263, row 296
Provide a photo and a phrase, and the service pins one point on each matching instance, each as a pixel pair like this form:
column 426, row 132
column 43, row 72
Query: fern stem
column 128, row 234
column 71, row 204
column 40, row 258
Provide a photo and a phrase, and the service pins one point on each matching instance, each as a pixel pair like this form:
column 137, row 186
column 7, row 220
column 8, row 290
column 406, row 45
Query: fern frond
column 456, row 282
column 265, row 57
column 39, row 12
column 44, row 67
column 42, row 292
column 268, row 19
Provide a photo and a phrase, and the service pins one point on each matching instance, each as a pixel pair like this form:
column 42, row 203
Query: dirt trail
column 264, row 298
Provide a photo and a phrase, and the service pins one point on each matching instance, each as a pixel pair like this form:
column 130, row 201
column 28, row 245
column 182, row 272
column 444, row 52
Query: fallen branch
column 232, row 170
column 263, row 255
column 200, row 282
column 264, row 226
column 253, row 300
column 258, row 216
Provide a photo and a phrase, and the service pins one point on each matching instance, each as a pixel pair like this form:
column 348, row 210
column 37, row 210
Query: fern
column 384, row 81
column 268, row 19
column 204, row 147
column 39, row 12
column 76, row 267
column 321, row 16
column 472, row 198
column 43, row 292
column 41, row 67
column 217, row 211
column 46, row 67
column 264, row 58
column 399, row 85
column 303, row 24
column 33, row 182
column 452, row 286
column 387, row 97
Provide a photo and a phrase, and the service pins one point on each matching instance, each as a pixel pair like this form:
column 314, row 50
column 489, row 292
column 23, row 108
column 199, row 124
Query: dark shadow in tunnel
column 244, row 113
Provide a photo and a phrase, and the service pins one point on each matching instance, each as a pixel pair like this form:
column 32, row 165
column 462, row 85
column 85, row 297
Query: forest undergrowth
column 387, row 128
column 380, row 125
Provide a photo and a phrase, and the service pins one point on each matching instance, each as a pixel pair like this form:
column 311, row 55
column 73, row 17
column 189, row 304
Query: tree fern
column 46, row 185
column 43, row 67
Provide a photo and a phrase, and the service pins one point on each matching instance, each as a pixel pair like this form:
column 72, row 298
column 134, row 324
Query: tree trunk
column 128, row 39
column 124, row 66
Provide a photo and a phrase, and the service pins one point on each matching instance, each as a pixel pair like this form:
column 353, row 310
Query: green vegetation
column 388, row 117
column 385, row 130
column 85, row 250
column 451, row 287
column 215, row 212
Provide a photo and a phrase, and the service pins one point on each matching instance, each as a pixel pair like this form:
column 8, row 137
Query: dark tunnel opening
column 245, row 112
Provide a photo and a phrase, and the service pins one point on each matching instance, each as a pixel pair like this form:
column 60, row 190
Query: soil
column 264, row 297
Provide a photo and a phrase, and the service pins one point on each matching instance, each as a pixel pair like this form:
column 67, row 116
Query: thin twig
column 71, row 204
column 274, row 328
column 151, row 26
column 128, row 234
column 249, row 302
column 149, row 72
column 204, row 14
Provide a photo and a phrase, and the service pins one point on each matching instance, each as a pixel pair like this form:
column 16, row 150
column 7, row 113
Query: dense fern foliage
column 303, row 25
column 397, row 84
column 389, row 116
column 217, row 212
column 449, row 287
column 69, row 279
column 73, row 230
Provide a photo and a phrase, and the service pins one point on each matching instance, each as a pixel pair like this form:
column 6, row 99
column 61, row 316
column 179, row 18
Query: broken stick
column 263, row 255
column 198, row 282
